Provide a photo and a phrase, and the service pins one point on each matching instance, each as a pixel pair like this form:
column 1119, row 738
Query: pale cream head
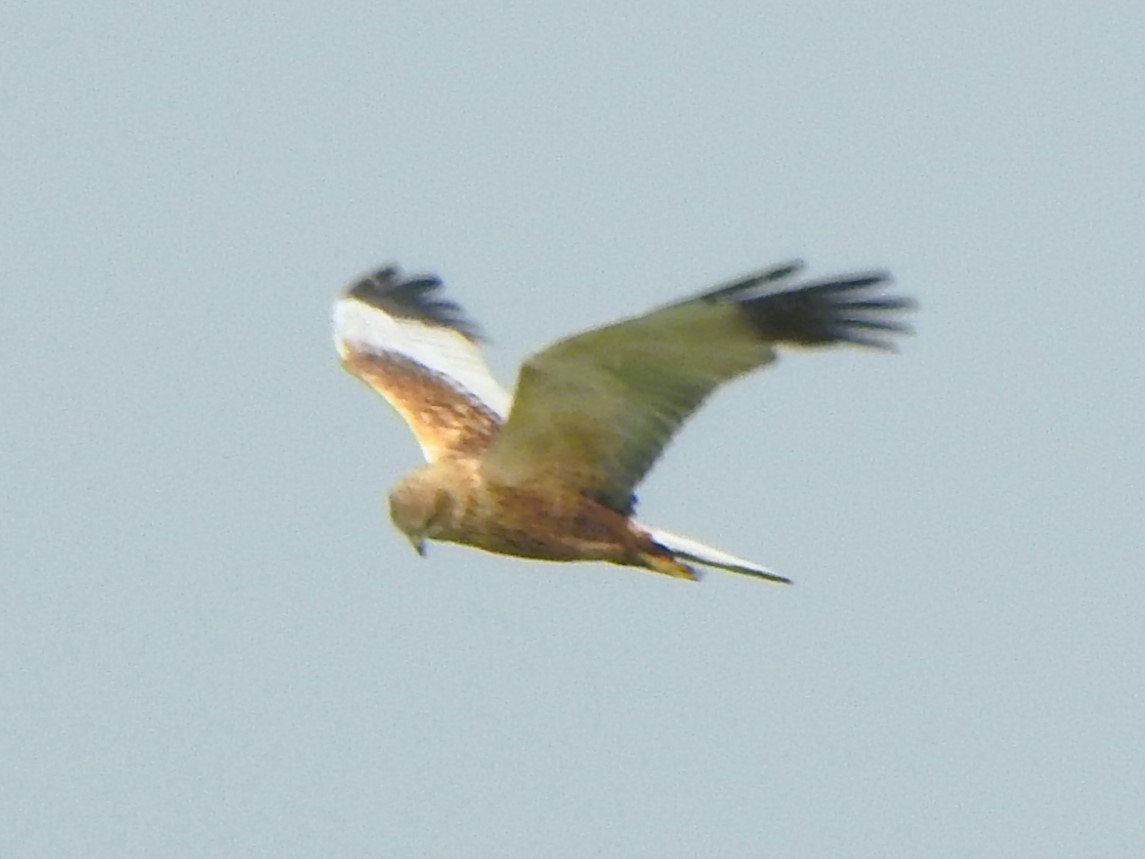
column 419, row 505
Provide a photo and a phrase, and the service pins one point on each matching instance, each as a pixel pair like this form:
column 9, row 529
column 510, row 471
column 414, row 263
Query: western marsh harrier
column 550, row 473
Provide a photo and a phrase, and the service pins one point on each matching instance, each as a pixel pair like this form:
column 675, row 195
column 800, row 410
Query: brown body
column 451, row 500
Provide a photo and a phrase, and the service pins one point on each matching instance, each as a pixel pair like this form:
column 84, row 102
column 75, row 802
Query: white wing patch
column 694, row 550
column 445, row 353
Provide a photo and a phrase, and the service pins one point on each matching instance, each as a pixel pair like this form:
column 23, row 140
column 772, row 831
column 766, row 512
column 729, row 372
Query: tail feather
column 693, row 550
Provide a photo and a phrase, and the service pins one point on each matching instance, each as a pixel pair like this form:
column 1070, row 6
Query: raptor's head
column 420, row 505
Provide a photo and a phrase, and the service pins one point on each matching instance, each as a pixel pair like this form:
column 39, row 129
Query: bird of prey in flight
column 549, row 473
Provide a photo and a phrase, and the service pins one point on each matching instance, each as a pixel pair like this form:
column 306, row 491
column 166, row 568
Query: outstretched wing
column 594, row 411
column 419, row 351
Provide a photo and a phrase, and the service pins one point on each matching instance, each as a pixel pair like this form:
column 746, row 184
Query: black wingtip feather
column 412, row 297
column 828, row 311
column 754, row 281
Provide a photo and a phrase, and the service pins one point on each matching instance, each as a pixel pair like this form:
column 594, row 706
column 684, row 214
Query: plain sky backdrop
column 212, row 642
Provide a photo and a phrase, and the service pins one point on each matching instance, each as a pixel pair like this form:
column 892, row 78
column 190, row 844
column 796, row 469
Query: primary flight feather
column 550, row 473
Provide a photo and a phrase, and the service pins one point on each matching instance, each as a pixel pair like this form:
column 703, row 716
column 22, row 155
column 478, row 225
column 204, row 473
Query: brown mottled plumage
column 554, row 479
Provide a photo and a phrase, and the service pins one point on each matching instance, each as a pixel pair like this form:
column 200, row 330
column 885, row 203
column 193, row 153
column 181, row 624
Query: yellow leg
column 667, row 566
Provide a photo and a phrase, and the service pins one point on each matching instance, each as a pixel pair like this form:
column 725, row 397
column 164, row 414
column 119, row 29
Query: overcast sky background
column 214, row 645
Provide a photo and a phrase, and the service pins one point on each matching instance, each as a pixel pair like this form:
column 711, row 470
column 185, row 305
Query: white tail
column 693, row 550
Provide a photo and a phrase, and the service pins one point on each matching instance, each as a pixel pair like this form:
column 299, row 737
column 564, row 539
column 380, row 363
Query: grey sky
column 214, row 645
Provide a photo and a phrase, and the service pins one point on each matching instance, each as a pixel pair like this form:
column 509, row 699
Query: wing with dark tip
column 419, row 351
column 594, row 411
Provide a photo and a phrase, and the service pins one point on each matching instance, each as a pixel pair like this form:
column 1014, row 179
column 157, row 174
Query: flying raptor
column 550, row 473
